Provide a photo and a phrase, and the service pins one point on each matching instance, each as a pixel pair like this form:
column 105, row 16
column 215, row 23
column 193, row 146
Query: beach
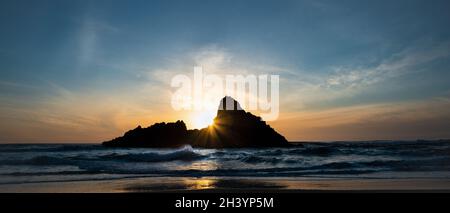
column 239, row 185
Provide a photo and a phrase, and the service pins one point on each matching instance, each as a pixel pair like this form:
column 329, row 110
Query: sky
column 86, row 71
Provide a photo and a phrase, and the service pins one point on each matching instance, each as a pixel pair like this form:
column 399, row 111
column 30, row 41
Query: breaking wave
column 355, row 159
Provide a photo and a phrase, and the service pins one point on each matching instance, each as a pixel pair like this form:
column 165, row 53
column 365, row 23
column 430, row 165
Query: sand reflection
column 199, row 184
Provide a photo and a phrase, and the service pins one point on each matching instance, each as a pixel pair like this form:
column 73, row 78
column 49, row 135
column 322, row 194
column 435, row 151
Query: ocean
column 42, row 163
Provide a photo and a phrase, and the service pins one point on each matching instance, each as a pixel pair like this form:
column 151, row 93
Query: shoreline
column 231, row 185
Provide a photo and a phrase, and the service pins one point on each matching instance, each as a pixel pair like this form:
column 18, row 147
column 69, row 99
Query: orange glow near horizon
column 202, row 119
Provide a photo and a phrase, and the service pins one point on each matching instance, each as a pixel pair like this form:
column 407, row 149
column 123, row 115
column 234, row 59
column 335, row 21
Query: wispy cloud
column 344, row 82
column 401, row 63
column 389, row 121
column 90, row 35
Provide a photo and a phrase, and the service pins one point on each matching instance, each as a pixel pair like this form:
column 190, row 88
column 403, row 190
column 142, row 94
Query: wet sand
column 218, row 184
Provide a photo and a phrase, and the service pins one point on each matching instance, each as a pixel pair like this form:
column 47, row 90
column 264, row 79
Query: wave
column 185, row 154
column 38, row 161
column 317, row 151
column 324, row 168
column 24, row 148
column 278, row 172
column 322, row 159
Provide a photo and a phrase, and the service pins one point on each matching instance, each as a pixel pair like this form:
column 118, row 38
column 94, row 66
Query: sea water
column 24, row 163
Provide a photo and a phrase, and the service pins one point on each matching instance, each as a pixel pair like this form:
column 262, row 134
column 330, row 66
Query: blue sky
column 63, row 62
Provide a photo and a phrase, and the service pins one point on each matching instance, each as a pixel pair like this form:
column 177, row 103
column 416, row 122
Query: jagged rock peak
column 229, row 103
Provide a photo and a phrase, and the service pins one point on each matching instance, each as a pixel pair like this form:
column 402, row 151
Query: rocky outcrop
column 157, row 135
column 232, row 128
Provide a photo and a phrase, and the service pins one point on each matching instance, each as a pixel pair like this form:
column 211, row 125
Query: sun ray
column 202, row 119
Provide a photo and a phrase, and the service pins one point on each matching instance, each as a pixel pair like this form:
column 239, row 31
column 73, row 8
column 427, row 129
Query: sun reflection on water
column 207, row 165
column 200, row 184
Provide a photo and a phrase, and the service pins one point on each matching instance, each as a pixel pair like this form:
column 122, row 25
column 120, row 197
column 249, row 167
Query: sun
column 202, row 119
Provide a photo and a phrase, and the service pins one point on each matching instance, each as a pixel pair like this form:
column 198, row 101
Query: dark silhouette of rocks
column 157, row 135
column 232, row 128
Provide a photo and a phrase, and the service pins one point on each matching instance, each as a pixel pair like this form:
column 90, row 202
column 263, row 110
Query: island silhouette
column 233, row 128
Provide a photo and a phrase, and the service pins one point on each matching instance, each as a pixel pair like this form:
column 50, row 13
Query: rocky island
column 233, row 128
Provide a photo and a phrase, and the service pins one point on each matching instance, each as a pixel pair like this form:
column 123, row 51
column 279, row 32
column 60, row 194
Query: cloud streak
column 402, row 63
